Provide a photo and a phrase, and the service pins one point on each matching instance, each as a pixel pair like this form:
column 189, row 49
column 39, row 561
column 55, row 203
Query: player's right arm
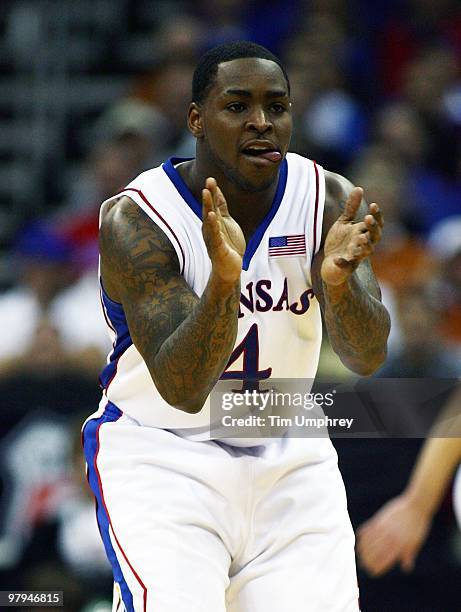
column 184, row 340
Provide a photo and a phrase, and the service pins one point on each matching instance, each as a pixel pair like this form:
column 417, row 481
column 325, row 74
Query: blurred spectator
column 405, row 28
column 401, row 260
column 182, row 36
column 165, row 93
column 111, row 165
column 227, row 19
column 445, row 243
column 422, row 353
column 44, row 328
column 331, row 123
column 427, row 80
column 434, row 196
column 400, row 130
column 123, row 139
column 43, row 261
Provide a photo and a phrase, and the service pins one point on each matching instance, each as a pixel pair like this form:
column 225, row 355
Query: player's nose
column 259, row 120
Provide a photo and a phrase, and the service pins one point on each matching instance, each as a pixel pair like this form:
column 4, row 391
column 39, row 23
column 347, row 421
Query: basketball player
column 215, row 267
column 396, row 533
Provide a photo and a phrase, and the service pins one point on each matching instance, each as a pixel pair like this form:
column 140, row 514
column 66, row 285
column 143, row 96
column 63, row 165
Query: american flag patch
column 280, row 246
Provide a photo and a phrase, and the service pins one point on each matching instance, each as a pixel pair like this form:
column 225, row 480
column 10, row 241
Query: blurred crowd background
column 94, row 91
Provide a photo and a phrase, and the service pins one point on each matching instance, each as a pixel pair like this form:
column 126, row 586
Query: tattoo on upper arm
column 137, row 251
column 139, row 260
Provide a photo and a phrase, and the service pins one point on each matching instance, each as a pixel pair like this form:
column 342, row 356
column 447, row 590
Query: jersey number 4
column 250, row 372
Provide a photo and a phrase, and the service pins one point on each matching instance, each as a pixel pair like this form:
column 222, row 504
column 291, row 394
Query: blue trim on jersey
column 90, row 446
column 182, row 188
column 123, row 341
column 186, row 194
column 256, row 238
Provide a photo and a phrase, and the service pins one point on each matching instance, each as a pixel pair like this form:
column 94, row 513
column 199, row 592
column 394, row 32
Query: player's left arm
column 343, row 281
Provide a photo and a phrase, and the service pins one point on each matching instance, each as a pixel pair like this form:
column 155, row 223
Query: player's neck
column 248, row 208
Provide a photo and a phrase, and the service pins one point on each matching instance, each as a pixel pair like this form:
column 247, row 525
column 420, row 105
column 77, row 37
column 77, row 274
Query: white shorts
column 205, row 527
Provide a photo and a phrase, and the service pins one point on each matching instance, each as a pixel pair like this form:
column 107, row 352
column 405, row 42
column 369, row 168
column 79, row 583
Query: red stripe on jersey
column 146, row 201
column 316, row 208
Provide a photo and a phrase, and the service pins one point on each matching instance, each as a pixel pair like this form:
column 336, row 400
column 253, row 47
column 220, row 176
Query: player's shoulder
column 337, row 186
column 337, row 190
column 125, row 201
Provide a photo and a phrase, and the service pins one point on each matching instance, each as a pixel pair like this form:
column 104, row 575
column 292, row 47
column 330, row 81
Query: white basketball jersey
column 279, row 324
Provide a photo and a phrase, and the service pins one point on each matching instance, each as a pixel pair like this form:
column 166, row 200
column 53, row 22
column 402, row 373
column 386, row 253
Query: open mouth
column 271, row 154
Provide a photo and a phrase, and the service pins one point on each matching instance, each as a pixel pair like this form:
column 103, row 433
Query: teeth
column 258, row 150
column 256, row 147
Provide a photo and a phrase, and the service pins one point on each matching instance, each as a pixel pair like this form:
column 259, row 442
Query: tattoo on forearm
column 194, row 356
column 357, row 322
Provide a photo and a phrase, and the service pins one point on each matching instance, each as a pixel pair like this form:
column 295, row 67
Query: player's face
column 247, row 123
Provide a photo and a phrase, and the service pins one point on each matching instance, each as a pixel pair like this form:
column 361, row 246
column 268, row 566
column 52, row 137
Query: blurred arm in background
column 396, row 533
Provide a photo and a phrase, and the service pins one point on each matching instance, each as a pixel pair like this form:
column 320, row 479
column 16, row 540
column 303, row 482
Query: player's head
column 240, row 113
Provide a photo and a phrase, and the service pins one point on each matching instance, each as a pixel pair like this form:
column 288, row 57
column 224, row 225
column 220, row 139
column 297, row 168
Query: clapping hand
column 349, row 242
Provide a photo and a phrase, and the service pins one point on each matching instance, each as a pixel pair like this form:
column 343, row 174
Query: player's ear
column 194, row 120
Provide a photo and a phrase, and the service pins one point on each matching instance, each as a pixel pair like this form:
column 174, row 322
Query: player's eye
column 278, row 107
column 236, row 107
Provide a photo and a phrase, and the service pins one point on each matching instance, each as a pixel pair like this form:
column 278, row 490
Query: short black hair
column 207, row 67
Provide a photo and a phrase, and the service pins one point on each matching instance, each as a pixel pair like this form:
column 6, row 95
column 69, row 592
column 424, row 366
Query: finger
column 211, row 185
column 214, row 237
column 378, row 567
column 221, row 202
column 378, row 557
column 370, row 221
column 352, row 204
column 207, row 203
column 210, row 228
column 374, row 228
column 377, row 213
column 410, row 554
